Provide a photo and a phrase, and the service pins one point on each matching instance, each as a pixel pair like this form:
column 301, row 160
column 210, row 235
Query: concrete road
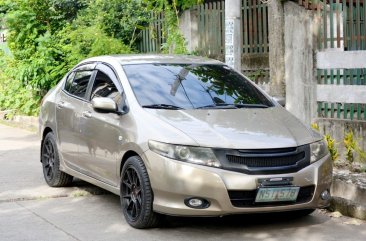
column 30, row 210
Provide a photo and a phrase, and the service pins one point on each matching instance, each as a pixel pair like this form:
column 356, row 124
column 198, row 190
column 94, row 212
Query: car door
column 68, row 112
column 101, row 132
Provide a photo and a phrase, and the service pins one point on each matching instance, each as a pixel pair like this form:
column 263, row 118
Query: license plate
column 277, row 194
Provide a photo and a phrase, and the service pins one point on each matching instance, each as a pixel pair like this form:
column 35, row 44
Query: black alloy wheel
column 51, row 163
column 48, row 159
column 137, row 196
column 132, row 193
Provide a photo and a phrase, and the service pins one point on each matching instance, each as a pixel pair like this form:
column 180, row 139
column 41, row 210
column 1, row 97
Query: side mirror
column 104, row 104
column 280, row 100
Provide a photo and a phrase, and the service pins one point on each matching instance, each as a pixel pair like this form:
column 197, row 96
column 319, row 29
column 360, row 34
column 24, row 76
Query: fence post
column 188, row 24
column 233, row 45
column 301, row 34
column 276, row 48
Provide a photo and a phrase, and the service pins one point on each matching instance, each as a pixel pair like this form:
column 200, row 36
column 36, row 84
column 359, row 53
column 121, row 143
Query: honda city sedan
column 180, row 135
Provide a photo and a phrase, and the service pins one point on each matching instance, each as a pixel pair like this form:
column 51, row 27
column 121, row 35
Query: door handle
column 61, row 104
column 87, row 114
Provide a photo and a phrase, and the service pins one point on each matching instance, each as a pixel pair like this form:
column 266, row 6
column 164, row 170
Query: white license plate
column 277, row 194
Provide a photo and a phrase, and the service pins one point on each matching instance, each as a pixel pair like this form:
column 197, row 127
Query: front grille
column 266, row 161
column 246, row 199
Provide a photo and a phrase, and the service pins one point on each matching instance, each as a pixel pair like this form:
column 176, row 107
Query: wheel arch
column 132, row 149
column 127, row 155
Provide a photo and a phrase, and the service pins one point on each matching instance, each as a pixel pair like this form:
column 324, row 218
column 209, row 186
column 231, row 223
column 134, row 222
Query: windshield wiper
column 163, row 106
column 232, row 106
column 251, row 106
column 218, row 106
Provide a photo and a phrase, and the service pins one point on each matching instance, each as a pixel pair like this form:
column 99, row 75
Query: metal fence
column 254, row 19
column 152, row 37
column 211, row 29
column 343, row 29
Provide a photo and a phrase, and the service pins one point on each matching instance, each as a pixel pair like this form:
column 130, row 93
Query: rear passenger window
column 79, row 84
column 69, row 80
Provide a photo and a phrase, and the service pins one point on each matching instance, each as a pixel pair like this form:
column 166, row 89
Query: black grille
column 246, row 199
column 267, row 161
column 264, row 161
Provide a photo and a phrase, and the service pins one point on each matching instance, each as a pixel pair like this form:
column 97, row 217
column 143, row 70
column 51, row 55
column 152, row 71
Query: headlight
column 196, row 155
column 318, row 150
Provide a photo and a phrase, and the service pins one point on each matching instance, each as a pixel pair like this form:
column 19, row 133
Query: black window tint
column 69, row 80
column 191, row 86
column 80, row 83
column 104, row 87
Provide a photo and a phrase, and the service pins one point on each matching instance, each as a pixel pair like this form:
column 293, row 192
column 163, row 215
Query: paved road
column 30, row 210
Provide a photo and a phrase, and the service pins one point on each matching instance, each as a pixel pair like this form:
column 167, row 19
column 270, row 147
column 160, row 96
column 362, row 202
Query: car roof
column 154, row 58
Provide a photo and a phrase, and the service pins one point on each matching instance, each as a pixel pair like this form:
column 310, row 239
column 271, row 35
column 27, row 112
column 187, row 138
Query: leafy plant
column 332, row 147
column 47, row 38
column 315, row 126
column 331, row 143
column 351, row 147
column 175, row 42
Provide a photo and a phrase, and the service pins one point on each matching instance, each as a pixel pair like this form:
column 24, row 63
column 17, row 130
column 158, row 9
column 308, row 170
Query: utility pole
column 233, row 46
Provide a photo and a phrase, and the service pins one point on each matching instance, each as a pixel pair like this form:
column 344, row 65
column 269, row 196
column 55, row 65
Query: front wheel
column 137, row 196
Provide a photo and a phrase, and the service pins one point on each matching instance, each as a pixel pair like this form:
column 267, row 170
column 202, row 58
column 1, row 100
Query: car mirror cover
column 104, row 104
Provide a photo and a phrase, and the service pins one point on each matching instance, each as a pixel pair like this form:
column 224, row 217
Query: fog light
column 196, row 202
column 325, row 195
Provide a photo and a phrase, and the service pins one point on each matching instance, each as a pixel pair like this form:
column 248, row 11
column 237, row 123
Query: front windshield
column 185, row 86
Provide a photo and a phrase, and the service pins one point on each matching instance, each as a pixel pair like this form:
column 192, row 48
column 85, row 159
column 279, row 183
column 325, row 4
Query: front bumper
column 174, row 181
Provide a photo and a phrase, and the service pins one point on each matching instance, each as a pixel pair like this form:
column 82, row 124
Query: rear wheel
column 51, row 163
column 137, row 195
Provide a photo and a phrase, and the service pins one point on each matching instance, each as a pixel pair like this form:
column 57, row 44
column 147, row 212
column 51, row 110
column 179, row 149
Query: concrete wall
column 300, row 36
column 188, row 25
column 337, row 128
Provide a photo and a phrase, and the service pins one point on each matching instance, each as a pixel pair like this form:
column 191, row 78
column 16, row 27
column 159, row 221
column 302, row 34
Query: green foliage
column 351, row 147
column 332, row 147
column 315, row 126
column 257, row 75
column 121, row 19
column 175, row 42
column 13, row 95
column 48, row 37
column 82, row 42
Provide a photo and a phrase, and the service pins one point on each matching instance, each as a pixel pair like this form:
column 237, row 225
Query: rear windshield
column 192, row 86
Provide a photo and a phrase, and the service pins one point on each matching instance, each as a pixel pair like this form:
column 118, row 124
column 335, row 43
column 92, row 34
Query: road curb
column 349, row 195
column 25, row 122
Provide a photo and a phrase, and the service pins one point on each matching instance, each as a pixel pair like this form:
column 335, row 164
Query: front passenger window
column 104, row 87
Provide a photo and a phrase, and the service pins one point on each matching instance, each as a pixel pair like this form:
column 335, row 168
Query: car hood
column 245, row 128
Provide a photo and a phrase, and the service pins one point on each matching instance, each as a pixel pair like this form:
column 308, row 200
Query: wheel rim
column 48, row 159
column 131, row 193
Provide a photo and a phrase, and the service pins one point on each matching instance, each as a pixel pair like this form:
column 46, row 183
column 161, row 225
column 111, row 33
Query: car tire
column 51, row 163
column 136, row 195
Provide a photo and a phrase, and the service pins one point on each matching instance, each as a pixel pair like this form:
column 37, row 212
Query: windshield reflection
column 192, row 86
